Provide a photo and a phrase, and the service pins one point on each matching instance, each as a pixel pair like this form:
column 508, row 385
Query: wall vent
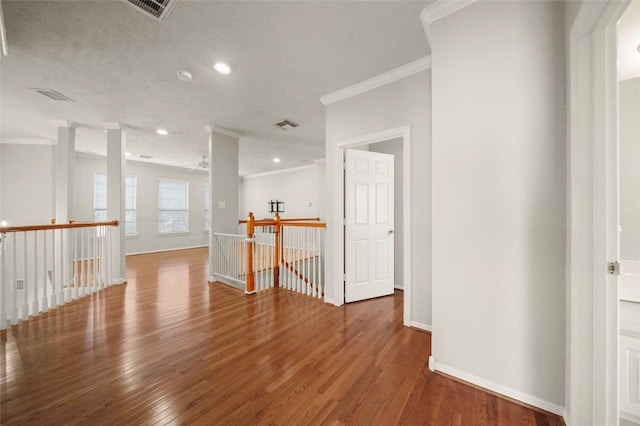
column 156, row 9
column 286, row 125
column 56, row 96
column 146, row 157
column 19, row 284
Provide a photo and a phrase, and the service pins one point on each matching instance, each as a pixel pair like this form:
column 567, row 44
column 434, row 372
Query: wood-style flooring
column 168, row 348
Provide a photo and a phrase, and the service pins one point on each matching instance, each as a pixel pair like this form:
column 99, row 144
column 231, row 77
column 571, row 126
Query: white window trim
column 173, row 233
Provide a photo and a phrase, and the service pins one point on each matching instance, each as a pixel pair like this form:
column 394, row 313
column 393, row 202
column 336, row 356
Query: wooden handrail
column 267, row 222
column 305, row 224
column 57, row 226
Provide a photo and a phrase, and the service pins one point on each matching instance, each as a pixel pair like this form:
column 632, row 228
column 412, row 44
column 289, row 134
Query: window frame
column 134, row 179
column 185, row 211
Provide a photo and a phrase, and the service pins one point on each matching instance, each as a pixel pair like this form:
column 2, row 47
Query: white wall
column 403, row 102
column 394, row 147
column 499, row 195
column 297, row 187
column 27, row 179
column 630, row 169
column 147, row 238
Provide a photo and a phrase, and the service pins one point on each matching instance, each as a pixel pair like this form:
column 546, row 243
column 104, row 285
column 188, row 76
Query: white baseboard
column 432, row 363
column 118, row 281
column 421, row 326
column 398, row 287
column 163, row 250
column 501, row 389
column 330, row 301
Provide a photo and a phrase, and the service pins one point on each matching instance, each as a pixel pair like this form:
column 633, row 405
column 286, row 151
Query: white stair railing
column 303, row 255
column 43, row 267
column 285, row 253
column 230, row 259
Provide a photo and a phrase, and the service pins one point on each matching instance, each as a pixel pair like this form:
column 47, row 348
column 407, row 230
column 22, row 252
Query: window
column 100, row 196
column 130, row 204
column 100, row 200
column 173, row 206
column 206, row 206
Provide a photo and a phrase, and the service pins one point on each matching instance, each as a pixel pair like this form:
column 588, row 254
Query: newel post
column 251, row 285
column 276, row 266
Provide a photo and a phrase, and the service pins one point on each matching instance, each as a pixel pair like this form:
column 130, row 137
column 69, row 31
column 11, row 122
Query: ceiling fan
column 202, row 165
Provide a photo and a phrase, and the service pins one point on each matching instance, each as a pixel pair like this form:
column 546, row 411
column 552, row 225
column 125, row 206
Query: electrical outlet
column 19, row 284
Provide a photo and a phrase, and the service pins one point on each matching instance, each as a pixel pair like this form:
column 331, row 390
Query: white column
column 223, row 183
column 116, row 146
column 65, row 170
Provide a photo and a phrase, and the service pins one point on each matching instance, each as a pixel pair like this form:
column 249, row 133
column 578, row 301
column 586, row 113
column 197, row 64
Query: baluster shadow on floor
column 169, row 348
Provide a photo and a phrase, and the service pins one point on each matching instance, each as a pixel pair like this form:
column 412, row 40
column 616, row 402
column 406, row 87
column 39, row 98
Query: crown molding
column 4, row 49
column 65, row 123
column 210, row 128
column 277, row 172
column 26, row 141
column 411, row 68
column 442, row 8
column 112, row 126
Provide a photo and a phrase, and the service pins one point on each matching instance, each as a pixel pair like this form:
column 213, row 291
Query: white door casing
column 369, row 214
column 592, row 305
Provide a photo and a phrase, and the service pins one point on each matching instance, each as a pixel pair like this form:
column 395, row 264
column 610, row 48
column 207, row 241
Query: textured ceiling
column 119, row 65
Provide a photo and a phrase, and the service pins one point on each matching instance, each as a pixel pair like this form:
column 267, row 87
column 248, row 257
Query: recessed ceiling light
column 184, row 75
column 162, row 132
column 222, row 68
column 276, row 160
column 128, row 154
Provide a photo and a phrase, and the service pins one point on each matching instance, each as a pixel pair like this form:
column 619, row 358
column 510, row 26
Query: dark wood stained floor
column 168, row 348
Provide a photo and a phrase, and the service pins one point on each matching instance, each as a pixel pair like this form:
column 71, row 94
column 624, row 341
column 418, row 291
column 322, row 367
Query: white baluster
column 314, row 281
column 36, row 305
column 25, row 302
column 109, row 256
column 307, row 259
column 3, row 283
column 54, row 289
column 44, row 303
column 14, row 282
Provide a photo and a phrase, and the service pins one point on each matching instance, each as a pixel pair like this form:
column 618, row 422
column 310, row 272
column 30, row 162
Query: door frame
column 592, row 235
column 404, row 133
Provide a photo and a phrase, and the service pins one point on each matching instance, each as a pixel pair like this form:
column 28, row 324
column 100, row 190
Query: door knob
column 390, row 232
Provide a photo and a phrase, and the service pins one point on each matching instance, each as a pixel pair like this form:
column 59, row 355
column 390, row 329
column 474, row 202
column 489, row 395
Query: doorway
column 628, row 59
column 402, row 135
column 593, row 235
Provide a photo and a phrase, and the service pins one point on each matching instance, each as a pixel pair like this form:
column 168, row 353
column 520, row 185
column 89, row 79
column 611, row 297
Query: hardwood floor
column 168, row 348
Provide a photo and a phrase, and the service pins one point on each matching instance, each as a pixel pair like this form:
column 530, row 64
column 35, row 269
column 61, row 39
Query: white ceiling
column 119, row 65
column 628, row 43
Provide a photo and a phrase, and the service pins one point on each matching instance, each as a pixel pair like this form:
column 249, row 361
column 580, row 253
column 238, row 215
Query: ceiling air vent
column 56, row 96
column 146, row 157
column 157, row 9
column 286, row 125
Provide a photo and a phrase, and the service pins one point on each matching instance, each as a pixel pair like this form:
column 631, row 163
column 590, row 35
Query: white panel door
column 368, row 225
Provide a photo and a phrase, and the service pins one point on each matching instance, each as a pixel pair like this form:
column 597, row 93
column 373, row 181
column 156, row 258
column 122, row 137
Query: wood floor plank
column 169, row 348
